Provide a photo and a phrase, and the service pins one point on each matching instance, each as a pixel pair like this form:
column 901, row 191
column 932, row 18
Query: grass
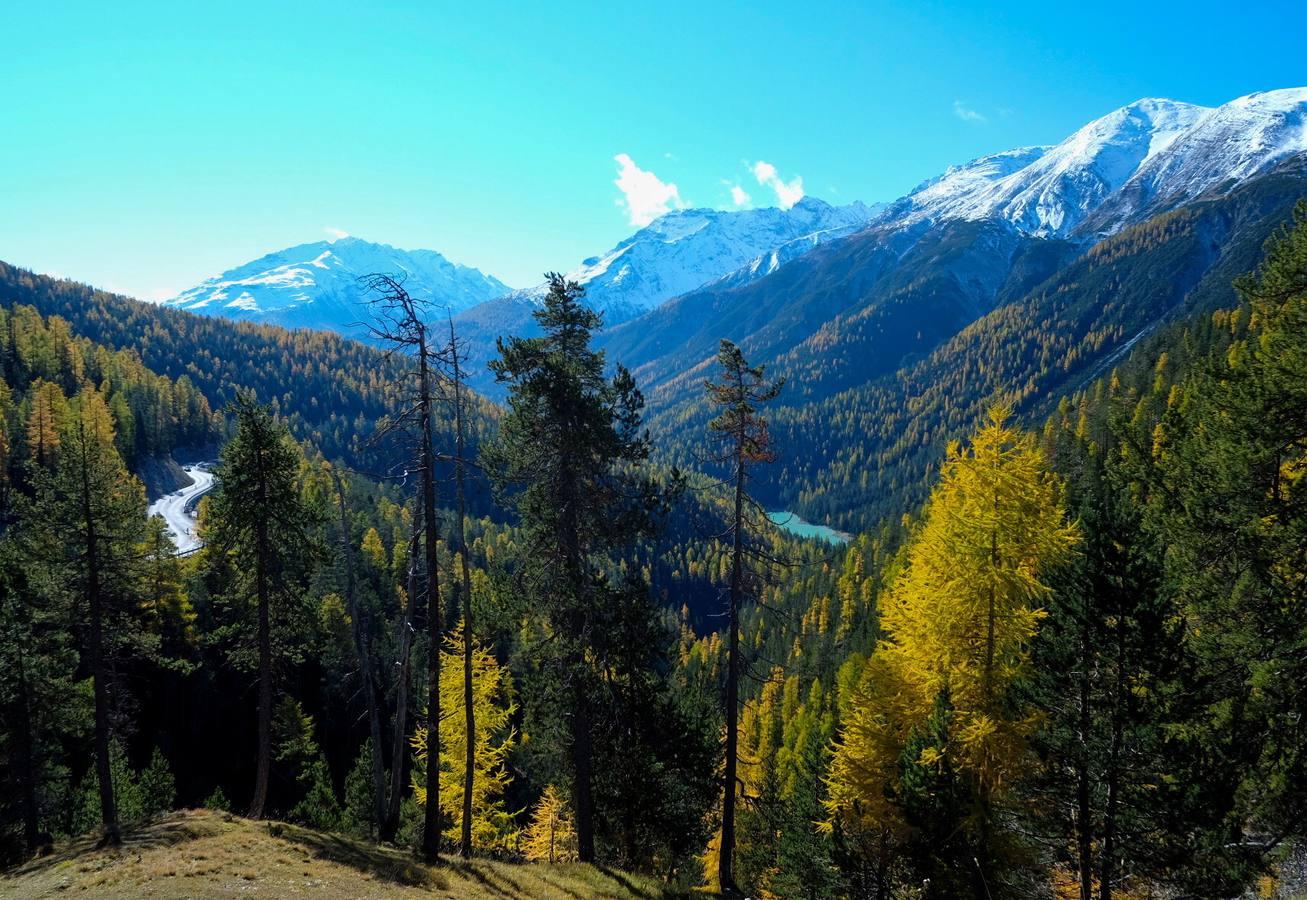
column 203, row 854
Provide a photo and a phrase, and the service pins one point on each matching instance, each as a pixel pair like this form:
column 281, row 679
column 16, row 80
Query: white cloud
column 967, row 114
column 787, row 194
column 645, row 197
column 739, row 195
column 335, row 233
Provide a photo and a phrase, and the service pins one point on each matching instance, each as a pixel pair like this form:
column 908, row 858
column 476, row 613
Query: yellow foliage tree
column 957, row 623
column 46, row 418
column 550, row 837
column 492, row 825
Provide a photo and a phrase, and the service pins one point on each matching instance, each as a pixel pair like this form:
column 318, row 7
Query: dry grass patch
column 203, row 854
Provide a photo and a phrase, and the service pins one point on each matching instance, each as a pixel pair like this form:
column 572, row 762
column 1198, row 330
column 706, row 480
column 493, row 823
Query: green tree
column 746, row 443
column 262, row 525
column 568, row 460
column 103, row 507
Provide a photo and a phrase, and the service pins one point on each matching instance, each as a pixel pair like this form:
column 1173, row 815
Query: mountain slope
column 1055, row 189
column 678, row 253
column 689, row 248
column 869, row 449
column 316, row 285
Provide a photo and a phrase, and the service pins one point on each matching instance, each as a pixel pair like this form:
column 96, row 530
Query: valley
column 950, row 542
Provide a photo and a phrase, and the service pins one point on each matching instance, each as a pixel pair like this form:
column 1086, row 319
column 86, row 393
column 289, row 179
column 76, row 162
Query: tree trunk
column 582, row 787
column 27, row 759
column 1084, row 825
column 103, row 773
column 264, row 762
column 431, row 830
column 725, row 861
column 469, row 707
column 1114, row 769
column 399, row 743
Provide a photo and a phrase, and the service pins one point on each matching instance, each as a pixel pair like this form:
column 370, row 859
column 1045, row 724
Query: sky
column 147, row 146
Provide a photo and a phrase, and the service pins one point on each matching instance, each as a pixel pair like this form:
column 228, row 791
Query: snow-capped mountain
column 1133, row 161
column 316, row 285
column 687, row 249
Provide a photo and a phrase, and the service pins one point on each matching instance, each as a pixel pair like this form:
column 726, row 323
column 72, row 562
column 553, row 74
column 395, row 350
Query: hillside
column 203, row 854
column 911, row 365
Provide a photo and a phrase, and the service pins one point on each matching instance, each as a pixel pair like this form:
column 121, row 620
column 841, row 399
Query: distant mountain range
column 1018, row 274
column 316, row 285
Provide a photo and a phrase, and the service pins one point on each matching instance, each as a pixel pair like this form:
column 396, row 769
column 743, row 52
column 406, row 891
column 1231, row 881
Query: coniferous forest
column 532, row 631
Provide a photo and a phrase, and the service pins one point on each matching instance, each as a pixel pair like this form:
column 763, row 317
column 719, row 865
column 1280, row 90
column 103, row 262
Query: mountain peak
column 316, row 285
column 1116, row 166
column 688, row 248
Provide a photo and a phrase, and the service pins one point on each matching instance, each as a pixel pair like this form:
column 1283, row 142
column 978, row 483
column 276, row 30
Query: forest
column 1066, row 659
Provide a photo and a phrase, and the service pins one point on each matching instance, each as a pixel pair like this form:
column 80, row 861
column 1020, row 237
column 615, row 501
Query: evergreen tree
column 746, row 443
column 568, row 459
column 102, row 506
column 263, row 526
column 1228, row 501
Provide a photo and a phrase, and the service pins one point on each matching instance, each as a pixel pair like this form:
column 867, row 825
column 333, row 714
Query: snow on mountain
column 1117, row 168
column 316, row 285
column 1056, row 187
column 1227, row 146
column 687, row 249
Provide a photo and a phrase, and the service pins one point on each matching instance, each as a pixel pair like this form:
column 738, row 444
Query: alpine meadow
column 946, row 543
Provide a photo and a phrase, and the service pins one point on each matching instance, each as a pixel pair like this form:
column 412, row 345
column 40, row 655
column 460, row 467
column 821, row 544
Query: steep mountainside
column 689, row 248
column 678, row 253
column 316, row 285
column 869, row 449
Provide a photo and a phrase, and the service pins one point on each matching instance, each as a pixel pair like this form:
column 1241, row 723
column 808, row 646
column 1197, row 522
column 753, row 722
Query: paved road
column 178, row 508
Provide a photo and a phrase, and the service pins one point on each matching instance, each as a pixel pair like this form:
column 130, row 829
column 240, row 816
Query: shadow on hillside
column 381, row 862
column 174, row 829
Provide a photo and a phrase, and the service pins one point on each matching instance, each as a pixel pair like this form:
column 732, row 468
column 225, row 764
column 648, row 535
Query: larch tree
column 744, row 443
column 550, row 837
column 492, row 742
column 453, row 358
column 932, row 730
column 262, row 525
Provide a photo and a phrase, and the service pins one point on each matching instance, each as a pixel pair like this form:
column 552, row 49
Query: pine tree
column 568, row 459
column 746, row 443
column 261, row 523
column 104, row 505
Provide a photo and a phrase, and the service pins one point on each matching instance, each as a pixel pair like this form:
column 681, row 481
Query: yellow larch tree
column 956, row 624
column 492, row 824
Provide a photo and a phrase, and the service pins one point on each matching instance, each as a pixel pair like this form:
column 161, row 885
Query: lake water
column 802, row 528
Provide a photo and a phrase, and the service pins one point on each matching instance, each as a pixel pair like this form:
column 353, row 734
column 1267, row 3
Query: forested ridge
column 876, row 398
column 1067, row 662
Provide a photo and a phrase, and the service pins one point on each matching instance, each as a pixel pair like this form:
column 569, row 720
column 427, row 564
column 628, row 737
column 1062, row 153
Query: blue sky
column 147, row 146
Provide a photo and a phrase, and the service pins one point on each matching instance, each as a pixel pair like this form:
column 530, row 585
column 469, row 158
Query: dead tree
column 400, row 325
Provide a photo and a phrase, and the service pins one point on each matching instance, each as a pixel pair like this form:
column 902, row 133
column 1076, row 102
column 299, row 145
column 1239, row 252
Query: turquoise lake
column 803, row 528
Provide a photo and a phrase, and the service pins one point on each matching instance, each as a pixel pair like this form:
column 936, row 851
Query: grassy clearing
column 198, row 853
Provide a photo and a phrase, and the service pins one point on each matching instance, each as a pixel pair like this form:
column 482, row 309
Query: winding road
column 178, row 508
